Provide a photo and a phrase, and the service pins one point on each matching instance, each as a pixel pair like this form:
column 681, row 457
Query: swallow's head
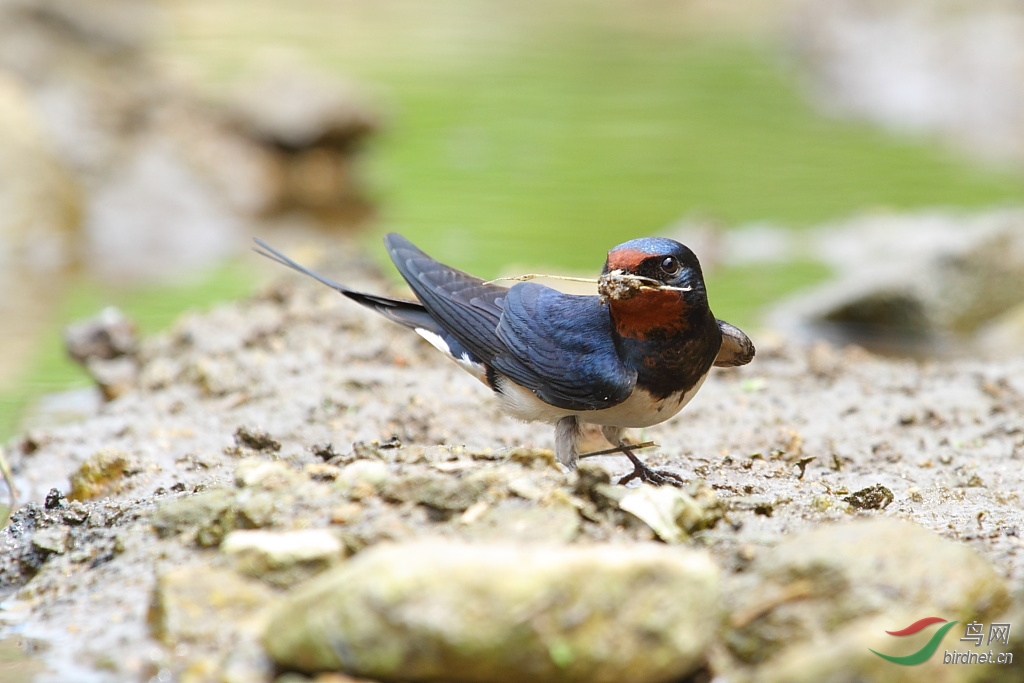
column 652, row 285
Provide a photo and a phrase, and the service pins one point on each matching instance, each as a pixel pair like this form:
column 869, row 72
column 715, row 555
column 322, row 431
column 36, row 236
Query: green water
column 544, row 133
column 555, row 158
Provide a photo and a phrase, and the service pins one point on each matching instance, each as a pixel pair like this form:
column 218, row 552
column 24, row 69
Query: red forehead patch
column 626, row 259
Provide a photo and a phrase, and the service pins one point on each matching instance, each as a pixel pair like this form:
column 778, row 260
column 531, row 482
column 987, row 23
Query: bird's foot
column 646, row 474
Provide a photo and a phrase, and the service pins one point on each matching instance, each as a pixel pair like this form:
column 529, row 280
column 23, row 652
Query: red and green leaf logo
column 929, row 648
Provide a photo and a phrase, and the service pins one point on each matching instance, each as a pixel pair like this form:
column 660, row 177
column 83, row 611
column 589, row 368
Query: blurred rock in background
column 934, row 283
column 132, row 176
column 309, row 128
column 951, row 68
column 40, row 214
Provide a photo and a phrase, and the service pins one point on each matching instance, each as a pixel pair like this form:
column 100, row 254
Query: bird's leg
column 568, row 434
column 618, row 449
column 640, row 470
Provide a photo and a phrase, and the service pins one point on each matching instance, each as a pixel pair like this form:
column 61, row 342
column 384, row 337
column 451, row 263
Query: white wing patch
column 434, row 339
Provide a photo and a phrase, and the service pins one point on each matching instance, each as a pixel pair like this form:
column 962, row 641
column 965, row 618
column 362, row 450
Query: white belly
column 639, row 410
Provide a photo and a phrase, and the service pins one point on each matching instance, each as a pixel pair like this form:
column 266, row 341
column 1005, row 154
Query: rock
column 217, row 376
column 440, row 492
column 493, row 613
column 40, row 217
column 112, row 163
column 102, row 474
column 53, row 540
column 875, row 497
column 266, row 490
column 553, row 522
column 268, row 475
column 122, row 26
column 1003, row 336
column 845, row 585
column 201, row 609
column 158, row 212
column 913, row 284
column 131, row 139
column 309, row 126
column 116, row 377
column 593, row 484
column 256, row 439
column 188, row 600
column 40, row 198
column 282, row 558
column 209, row 514
column 106, row 336
column 106, row 345
column 295, row 107
column 363, row 478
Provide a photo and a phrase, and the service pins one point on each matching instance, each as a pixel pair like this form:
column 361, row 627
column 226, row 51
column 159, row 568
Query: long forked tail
column 410, row 314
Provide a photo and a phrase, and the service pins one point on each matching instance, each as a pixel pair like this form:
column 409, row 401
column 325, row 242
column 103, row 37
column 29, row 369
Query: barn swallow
column 632, row 356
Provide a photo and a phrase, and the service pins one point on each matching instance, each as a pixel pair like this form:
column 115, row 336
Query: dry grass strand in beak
column 619, row 285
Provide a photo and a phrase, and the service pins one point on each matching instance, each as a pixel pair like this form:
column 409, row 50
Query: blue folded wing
column 559, row 346
column 562, row 348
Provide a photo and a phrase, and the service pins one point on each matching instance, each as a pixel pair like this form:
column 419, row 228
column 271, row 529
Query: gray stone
column 40, row 216
column 362, row 478
column 1003, row 336
column 107, row 335
column 441, row 492
column 494, row 613
column 208, row 513
column 294, row 107
column 106, row 345
column 214, row 617
column 268, row 475
column 282, row 558
column 845, row 585
column 308, row 127
column 554, row 522
column 41, row 200
column 913, row 284
column 53, row 540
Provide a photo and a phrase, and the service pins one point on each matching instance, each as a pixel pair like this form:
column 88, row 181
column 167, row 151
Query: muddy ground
column 783, row 443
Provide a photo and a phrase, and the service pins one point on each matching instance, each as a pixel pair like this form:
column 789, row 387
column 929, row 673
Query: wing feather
column 561, row 347
column 556, row 345
column 737, row 349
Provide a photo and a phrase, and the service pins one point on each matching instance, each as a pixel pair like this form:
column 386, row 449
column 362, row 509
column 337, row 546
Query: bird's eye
column 671, row 265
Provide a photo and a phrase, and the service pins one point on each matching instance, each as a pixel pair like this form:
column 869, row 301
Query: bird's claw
column 646, row 474
column 656, row 477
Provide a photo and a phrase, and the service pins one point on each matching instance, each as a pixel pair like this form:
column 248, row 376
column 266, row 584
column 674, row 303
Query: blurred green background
column 535, row 135
column 545, row 133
